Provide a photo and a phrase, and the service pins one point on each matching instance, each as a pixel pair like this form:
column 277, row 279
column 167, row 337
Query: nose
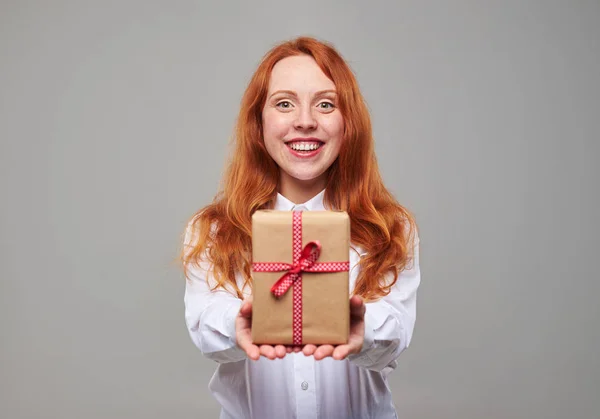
column 305, row 120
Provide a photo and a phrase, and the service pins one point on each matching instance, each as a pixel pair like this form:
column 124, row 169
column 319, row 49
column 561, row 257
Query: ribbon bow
column 307, row 262
column 308, row 257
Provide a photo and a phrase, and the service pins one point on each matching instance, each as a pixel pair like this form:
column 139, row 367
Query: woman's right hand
column 243, row 334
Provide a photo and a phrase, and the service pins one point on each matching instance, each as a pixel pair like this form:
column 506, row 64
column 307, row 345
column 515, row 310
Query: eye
column 326, row 105
column 284, row 104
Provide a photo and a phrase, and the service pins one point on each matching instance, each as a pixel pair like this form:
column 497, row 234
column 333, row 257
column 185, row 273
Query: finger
column 289, row 349
column 323, row 351
column 357, row 306
column 280, row 351
column 243, row 325
column 251, row 350
column 267, row 351
column 253, row 353
column 309, row 349
column 341, row 352
column 297, row 349
column 246, row 309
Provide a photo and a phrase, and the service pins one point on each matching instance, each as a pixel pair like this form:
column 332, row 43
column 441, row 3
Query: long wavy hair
column 379, row 224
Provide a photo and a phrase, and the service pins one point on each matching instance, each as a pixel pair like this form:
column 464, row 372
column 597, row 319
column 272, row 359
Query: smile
column 308, row 147
column 304, row 145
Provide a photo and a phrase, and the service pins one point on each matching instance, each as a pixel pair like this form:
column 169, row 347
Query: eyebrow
column 292, row 93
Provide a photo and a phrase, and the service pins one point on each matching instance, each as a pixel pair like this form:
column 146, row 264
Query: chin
column 308, row 177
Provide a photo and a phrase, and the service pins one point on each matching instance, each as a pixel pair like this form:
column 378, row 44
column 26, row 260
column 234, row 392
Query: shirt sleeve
column 210, row 315
column 390, row 321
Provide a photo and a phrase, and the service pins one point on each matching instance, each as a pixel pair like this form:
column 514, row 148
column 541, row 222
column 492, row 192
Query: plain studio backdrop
column 115, row 120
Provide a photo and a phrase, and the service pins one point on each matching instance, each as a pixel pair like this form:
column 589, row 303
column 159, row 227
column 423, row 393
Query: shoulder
column 195, row 245
column 193, row 230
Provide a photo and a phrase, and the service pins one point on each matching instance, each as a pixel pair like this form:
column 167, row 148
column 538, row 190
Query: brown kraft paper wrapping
column 325, row 295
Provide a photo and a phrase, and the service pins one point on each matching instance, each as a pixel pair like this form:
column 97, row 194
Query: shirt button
column 304, row 385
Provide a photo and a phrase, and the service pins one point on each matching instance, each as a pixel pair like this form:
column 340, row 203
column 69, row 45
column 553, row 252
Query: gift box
column 300, row 264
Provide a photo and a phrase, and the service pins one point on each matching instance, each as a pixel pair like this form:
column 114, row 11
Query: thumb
column 246, row 309
column 357, row 306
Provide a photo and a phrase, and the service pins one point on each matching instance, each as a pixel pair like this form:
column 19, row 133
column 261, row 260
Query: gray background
column 114, row 124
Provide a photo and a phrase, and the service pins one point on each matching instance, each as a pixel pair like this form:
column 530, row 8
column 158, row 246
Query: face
column 302, row 125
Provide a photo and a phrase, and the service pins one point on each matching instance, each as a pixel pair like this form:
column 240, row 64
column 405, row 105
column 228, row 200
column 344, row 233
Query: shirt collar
column 314, row 204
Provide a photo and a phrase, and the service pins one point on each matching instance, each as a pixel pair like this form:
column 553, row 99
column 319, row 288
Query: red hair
column 379, row 224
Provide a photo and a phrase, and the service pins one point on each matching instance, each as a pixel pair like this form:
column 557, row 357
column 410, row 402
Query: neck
column 300, row 191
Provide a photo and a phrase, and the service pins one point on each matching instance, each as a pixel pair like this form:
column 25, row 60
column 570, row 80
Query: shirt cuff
column 369, row 331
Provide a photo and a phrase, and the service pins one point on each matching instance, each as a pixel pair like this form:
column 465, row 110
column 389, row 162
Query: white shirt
column 297, row 386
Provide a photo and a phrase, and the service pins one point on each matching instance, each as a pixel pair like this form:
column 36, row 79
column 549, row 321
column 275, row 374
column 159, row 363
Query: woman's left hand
column 355, row 339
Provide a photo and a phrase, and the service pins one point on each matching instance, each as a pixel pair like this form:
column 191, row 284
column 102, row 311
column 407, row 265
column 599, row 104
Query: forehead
column 299, row 73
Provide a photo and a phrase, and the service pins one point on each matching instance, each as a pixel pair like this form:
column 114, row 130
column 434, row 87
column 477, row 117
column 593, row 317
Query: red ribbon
column 304, row 260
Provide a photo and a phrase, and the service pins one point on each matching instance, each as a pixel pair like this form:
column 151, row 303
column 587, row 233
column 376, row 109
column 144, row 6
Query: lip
column 307, row 139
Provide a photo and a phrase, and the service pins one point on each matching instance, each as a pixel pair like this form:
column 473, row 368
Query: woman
column 303, row 142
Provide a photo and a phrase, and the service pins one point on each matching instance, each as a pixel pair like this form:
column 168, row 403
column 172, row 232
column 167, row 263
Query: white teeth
column 304, row 146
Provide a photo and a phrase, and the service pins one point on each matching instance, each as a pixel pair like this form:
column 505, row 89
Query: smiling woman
column 303, row 143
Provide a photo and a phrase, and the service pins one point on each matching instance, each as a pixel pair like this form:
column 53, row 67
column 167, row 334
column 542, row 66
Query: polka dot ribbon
column 304, row 260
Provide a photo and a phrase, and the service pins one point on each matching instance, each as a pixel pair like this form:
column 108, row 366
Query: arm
column 210, row 315
column 390, row 321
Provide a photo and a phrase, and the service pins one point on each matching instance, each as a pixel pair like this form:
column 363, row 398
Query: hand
column 243, row 335
column 355, row 339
